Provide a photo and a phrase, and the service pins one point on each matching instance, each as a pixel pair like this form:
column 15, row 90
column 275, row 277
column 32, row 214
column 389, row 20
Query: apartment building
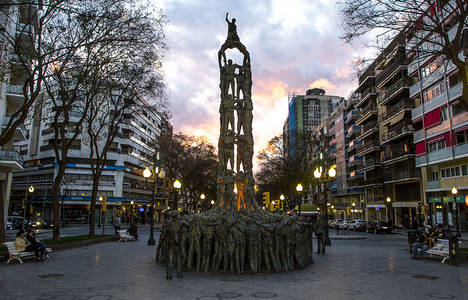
column 15, row 22
column 347, row 189
column 440, row 120
column 122, row 181
column 305, row 112
column 369, row 149
column 401, row 179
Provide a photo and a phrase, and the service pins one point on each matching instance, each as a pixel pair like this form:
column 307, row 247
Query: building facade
column 122, row 181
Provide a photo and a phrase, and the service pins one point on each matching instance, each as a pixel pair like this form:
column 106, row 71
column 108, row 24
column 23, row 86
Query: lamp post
column 454, row 193
column 147, row 173
column 299, row 189
column 202, row 197
column 353, row 210
column 177, row 185
column 30, row 190
column 131, row 220
column 389, row 200
column 282, row 200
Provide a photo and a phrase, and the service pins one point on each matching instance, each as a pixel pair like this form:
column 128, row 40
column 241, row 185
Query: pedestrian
column 31, row 237
column 117, row 223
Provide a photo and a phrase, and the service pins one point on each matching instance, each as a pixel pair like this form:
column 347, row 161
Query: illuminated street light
column 299, row 187
column 147, row 172
column 332, row 172
column 454, row 190
column 282, row 197
column 177, row 184
column 202, row 196
column 389, row 200
column 31, row 189
column 317, row 174
column 212, row 202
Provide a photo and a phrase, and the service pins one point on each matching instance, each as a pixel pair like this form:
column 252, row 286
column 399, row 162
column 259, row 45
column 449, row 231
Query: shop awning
column 376, row 205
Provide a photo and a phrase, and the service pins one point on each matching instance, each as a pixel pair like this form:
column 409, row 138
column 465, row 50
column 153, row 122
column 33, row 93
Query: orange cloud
column 267, row 92
column 322, row 83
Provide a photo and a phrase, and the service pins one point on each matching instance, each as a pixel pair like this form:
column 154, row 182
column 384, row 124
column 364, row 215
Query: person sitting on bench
column 31, row 237
column 423, row 243
column 133, row 230
column 22, row 244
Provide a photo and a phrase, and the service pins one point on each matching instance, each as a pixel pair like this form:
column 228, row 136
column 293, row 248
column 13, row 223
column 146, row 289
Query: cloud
column 293, row 45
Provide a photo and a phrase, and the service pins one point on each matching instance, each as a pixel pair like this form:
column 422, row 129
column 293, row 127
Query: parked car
column 18, row 222
column 9, row 224
column 344, row 225
column 40, row 223
column 360, row 225
column 352, row 225
column 378, row 227
column 337, row 223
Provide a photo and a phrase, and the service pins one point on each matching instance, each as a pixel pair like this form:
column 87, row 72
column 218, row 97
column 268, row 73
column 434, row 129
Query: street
column 378, row 267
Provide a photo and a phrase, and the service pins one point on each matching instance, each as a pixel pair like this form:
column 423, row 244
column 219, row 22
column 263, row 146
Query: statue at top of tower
column 232, row 30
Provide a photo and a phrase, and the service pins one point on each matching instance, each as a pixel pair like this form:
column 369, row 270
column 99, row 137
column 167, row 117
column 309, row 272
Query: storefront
column 377, row 212
column 443, row 210
column 405, row 214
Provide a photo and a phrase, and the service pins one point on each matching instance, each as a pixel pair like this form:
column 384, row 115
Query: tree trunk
column 93, row 205
column 2, row 214
column 55, row 198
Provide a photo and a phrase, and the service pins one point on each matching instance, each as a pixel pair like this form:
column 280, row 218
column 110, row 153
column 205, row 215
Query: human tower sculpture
column 236, row 235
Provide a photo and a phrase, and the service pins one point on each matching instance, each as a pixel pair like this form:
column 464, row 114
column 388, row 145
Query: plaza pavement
column 378, row 267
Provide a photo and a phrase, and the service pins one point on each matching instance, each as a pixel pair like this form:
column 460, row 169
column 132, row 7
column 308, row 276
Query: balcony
column 368, row 129
column 354, row 144
column 418, row 136
column 397, row 156
column 15, row 94
column 354, row 175
column 390, row 70
column 392, row 91
column 432, row 185
column 354, row 161
column 396, row 133
column 365, row 95
column 368, row 147
column 352, row 115
column 453, row 93
column 365, row 79
column 366, row 113
column 370, row 164
column 11, row 160
column 431, row 79
column 434, row 157
column 405, row 104
column 353, row 130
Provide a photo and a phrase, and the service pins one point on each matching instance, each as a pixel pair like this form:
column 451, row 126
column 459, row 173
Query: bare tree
column 433, row 28
column 114, row 37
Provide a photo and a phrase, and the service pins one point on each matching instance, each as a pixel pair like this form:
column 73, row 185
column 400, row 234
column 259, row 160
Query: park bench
column 124, row 236
column 18, row 255
column 441, row 248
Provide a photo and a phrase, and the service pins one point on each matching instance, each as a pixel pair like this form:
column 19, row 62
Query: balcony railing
column 368, row 73
column 453, row 93
column 397, row 62
column 11, row 156
column 367, row 92
column 368, row 108
column 404, row 104
column 390, row 91
column 418, row 136
column 435, row 184
column 406, row 174
column 354, row 129
column 396, row 154
column 366, row 146
column 14, row 89
column 400, row 130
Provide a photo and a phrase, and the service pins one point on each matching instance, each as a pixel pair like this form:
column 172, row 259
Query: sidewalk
column 464, row 235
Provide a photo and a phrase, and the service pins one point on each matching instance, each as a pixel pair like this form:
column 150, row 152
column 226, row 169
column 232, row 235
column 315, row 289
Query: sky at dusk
column 294, row 45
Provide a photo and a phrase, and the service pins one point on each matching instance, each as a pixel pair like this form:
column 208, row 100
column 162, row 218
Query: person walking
column 117, row 223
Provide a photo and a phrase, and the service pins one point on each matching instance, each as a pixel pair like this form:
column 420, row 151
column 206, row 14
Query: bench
column 124, row 236
column 441, row 248
column 18, row 255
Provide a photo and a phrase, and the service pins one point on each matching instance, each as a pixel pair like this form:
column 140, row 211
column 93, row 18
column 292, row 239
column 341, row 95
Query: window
column 443, row 114
column 454, row 171
column 435, row 175
column 457, row 108
column 431, row 67
column 461, row 136
column 434, row 91
column 436, row 146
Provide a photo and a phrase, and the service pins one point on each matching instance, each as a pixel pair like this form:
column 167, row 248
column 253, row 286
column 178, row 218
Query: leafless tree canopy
column 431, row 27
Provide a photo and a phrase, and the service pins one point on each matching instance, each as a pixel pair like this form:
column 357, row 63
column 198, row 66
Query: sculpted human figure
column 220, row 237
column 220, row 192
column 229, row 76
column 208, row 233
column 228, row 111
column 173, row 246
column 240, row 84
column 241, row 144
column 320, row 231
column 228, row 149
column 184, row 241
column 253, row 244
column 194, row 248
column 280, row 244
column 232, row 30
column 229, row 196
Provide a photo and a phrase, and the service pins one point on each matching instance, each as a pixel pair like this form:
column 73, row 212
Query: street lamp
column 389, row 200
column 353, row 210
column 31, row 190
column 454, row 193
column 212, row 202
column 147, row 173
column 317, row 173
column 299, row 189
column 177, row 185
column 131, row 203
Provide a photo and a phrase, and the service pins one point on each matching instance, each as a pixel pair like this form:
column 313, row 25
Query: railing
column 367, row 92
column 397, row 131
column 406, row 174
column 353, row 129
column 14, row 89
column 390, row 91
column 418, row 136
column 371, row 161
column 395, row 154
column 367, row 73
column 397, row 62
column 11, row 156
column 461, row 149
column 404, row 104
column 368, row 108
column 453, row 93
column 372, row 143
column 435, row 184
